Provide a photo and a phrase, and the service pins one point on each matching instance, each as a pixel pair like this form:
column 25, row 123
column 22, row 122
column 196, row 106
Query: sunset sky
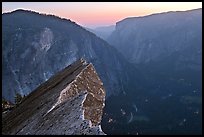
column 94, row 14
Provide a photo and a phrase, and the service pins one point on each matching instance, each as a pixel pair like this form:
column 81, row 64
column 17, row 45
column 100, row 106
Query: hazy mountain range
column 103, row 32
column 150, row 38
column 37, row 46
column 150, row 66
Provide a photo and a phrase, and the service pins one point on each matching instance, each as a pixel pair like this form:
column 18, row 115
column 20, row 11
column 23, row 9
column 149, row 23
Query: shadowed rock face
column 159, row 36
column 70, row 102
column 37, row 46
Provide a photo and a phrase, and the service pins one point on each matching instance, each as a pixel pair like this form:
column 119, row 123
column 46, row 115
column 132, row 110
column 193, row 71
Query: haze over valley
column 149, row 67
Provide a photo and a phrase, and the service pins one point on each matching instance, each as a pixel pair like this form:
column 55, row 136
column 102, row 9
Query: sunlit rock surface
column 70, row 102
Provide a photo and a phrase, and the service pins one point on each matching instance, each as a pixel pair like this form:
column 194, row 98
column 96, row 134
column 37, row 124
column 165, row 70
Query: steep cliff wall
column 70, row 102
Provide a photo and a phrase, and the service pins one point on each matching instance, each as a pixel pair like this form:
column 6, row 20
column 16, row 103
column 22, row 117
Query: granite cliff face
column 70, row 102
column 36, row 46
column 159, row 37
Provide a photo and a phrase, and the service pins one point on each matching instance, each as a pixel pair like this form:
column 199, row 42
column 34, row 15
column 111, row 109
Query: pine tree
column 18, row 98
column 3, row 103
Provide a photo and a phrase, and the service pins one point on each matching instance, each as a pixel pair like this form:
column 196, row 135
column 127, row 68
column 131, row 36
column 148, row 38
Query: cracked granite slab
column 69, row 103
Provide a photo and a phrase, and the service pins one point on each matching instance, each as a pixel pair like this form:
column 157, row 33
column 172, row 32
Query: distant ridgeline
column 70, row 102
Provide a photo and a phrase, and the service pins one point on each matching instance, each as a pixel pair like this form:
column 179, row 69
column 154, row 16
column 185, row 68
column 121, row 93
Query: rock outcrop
column 70, row 102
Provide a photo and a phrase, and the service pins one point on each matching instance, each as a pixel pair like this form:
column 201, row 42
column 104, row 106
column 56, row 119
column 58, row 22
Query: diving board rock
column 70, row 102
